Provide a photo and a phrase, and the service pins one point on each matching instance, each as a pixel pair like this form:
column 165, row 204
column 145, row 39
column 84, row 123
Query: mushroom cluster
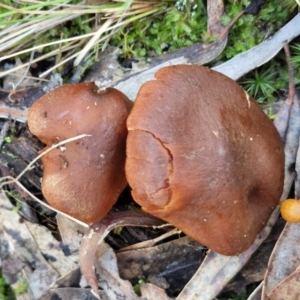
column 85, row 177
column 201, row 154
column 204, row 157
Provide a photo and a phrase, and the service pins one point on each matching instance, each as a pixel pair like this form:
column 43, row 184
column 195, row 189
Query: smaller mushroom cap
column 83, row 178
column 203, row 156
column 290, row 210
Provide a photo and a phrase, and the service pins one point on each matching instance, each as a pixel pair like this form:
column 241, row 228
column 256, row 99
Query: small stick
column 3, row 132
column 291, row 73
column 150, row 243
column 14, row 87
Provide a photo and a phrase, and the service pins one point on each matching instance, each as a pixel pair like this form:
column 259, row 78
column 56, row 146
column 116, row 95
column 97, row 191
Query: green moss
column 118, row 230
column 179, row 27
column 296, row 54
column 21, row 288
column 184, row 24
column 5, row 291
column 251, row 30
column 167, row 31
column 137, row 287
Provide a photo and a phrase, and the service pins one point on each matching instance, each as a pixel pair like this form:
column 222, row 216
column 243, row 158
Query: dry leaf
column 152, row 292
column 289, row 288
column 71, row 293
column 109, row 280
column 71, row 232
column 39, row 274
column 44, row 258
column 285, row 257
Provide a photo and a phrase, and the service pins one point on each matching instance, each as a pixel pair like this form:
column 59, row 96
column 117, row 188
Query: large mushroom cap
column 85, row 177
column 203, row 156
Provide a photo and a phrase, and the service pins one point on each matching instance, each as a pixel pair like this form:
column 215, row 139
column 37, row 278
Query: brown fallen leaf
column 21, row 100
column 14, row 103
column 198, row 54
column 109, row 279
column 152, row 292
column 285, row 258
column 289, row 288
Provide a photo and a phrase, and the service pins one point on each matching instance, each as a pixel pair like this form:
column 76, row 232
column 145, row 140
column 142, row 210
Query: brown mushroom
column 85, row 177
column 203, row 156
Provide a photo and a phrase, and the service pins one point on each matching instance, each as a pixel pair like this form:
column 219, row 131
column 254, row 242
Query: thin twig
column 291, row 73
column 150, row 243
column 95, row 38
column 15, row 87
column 229, row 26
column 3, row 132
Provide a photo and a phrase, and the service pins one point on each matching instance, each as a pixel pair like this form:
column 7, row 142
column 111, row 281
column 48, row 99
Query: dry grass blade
column 151, row 243
column 92, row 41
column 31, row 21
